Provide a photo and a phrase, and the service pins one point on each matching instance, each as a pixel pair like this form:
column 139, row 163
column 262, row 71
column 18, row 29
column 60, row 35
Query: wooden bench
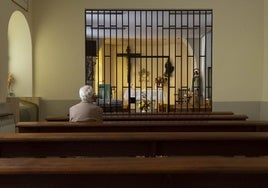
column 143, row 126
column 165, row 114
column 171, row 117
column 171, row 113
column 133, row 172
column 134, row 144
column 163, row 117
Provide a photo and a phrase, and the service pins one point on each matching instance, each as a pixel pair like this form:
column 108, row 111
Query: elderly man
column 85, row 110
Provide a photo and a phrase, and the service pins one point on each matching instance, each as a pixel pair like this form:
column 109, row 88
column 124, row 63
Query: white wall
column 264, row 104
column 237, row 61
column 265, row 52
column 4, row 18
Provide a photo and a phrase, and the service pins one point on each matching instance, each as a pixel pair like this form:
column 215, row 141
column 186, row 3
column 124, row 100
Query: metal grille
column 150, row 60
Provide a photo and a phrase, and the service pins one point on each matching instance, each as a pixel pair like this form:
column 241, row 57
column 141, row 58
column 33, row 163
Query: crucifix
column 129, row 55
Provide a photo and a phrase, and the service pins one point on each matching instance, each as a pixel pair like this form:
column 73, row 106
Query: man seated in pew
column 85, row 110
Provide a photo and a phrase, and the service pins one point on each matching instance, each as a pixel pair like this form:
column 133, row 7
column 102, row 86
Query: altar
column 145, row 100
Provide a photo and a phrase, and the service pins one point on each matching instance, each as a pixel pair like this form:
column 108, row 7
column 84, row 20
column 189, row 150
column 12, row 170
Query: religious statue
column 196, row 83
column 10, row 81
column 196, row 87
column 90, row 70
column 169, row 69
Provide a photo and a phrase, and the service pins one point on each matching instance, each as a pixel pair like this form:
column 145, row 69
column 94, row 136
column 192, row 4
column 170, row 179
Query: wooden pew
column 171, row 172
column 161, row 117
column 171, row 113
column 170, row 117
column 143, row 126
column 134, row 144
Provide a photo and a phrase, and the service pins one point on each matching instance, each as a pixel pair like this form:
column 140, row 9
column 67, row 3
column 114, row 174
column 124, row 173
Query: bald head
column 86, row 93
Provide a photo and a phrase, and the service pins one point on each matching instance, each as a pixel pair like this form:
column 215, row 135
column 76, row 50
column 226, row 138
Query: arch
column 20, row 54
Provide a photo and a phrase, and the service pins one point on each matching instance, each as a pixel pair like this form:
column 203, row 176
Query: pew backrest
column 129, row 172
column 153, row 114
column 171, row 117
column 144, row 126
column 134, row 144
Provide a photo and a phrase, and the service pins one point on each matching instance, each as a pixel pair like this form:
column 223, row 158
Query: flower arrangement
column 145, row 105
column 161, row 80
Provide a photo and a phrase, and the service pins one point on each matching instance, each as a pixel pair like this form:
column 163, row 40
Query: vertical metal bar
column 110, row 57
column 163, row 52
column 211, row 58
column 93, row 60
column 175, row 58
column 187, row 52
column 205, row 64
column 116, row 63
column 141, row 15
column 122, row 59
column 193, row 47
column 135, row 51
column 152, row 62
column 181, row 58
column 129, row 60
column 85, row 46
column 169, row 42
column 128, row 63
column 157, row 100
column 200, row 40
column 206, row 59
column 206, row 43
column 98, row 36
column 198, row 92
column 146, row 52
column 104, row 52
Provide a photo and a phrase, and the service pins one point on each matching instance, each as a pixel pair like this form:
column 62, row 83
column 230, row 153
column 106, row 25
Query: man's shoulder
column 94, row 106
column 78, row 105
column 85, row 105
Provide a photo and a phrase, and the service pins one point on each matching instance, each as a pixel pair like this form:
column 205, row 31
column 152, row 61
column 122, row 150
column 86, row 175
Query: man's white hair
column 86, row 93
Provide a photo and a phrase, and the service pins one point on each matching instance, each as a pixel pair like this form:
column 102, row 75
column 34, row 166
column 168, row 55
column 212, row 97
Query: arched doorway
column 20, row 54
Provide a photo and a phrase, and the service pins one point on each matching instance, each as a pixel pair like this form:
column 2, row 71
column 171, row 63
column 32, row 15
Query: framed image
column 22, row 3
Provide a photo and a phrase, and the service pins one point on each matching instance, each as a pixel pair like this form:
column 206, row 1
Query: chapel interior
column 182, row 85
column 170, row 57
